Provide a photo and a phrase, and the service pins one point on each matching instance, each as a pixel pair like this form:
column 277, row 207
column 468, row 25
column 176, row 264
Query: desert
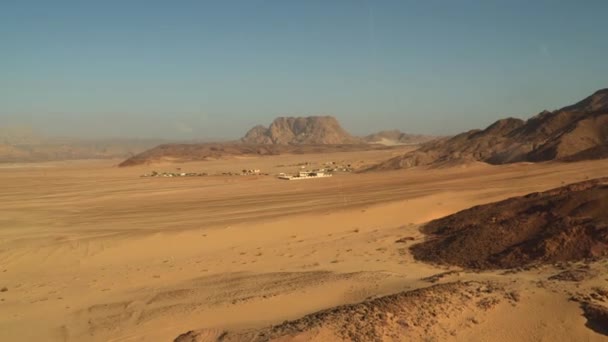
column 91, row 251
column 209, row 242
column 295, row 171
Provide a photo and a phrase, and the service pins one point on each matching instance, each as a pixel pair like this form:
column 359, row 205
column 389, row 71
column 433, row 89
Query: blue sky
column 212, row 69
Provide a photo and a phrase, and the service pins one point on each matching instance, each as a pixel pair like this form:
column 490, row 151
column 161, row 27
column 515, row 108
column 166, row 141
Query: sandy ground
column 92, row 252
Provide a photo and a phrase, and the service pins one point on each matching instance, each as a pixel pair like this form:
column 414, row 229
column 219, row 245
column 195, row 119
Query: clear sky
column 213, row 69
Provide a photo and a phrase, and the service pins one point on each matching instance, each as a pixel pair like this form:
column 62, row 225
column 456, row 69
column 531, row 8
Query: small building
column 306, row 175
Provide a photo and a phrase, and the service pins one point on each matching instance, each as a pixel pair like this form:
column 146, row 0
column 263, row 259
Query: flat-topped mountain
column 311, row 130
column 575, row 132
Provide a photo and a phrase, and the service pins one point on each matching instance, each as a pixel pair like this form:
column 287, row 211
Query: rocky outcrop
column 564, row 224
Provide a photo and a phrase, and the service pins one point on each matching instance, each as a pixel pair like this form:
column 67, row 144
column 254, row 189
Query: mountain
column 311, row 130
column 564, row 224
column 396, row 137
column 575, row 132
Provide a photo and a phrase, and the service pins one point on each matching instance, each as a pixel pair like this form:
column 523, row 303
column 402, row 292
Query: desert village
column 329, row 168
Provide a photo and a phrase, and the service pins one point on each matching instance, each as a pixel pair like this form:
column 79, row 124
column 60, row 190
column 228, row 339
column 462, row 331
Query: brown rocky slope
column 181, row 153
column 564, row 224
column 579, row 131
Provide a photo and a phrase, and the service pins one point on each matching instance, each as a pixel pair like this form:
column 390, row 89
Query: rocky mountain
column 396, row 137
column 575, row 132
column 311, row 130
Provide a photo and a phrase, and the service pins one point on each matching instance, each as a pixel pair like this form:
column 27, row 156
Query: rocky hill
column 564, row 224
column 182, row 153
column 396, row 137
column 575, row 132
column 311, row 130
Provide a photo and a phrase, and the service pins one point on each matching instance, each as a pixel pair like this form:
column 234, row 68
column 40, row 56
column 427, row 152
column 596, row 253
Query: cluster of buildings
column 174, row 174
column 305, row 175
column 332, row 166
column 305, row 172
column 252, row 172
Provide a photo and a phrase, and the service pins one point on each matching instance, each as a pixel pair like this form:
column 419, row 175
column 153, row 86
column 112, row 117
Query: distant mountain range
column 22, row 144
column 575, row 132
column 18, row 135
column 312, row 134
column 396, row 137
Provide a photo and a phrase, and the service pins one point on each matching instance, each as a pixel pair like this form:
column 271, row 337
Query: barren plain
column 93, row 252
